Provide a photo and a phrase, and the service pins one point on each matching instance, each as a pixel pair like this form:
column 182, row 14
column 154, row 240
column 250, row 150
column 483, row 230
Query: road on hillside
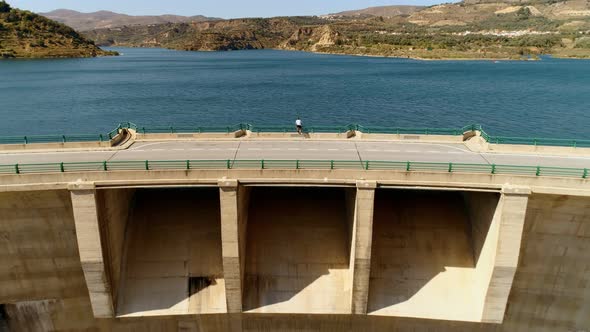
column 302, row 150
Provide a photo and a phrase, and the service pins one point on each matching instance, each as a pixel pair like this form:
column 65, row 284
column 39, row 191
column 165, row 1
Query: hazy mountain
column 106, row 19
column 384, row 11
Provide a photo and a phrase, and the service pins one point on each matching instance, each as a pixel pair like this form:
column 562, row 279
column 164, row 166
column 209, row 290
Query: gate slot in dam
column 171, row 262
column 298, row 250
column 431, row 253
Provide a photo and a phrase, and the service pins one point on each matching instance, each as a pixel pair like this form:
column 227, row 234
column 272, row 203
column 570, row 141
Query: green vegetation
column 28, row 35
column 4, row 7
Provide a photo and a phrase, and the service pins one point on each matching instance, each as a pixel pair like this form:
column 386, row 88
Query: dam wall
column 236, row 255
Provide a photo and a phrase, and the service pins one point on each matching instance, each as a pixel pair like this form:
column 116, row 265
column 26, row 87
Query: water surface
column 162, row 87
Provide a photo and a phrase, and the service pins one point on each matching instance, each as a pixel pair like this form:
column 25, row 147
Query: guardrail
column 306, row 129
column 32, row 139
column 575, row 143
column 535, row 141
column 191, row 129
column 405, row 166
column 411, row 131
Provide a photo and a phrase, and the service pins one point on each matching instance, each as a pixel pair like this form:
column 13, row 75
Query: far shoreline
column 554, row 56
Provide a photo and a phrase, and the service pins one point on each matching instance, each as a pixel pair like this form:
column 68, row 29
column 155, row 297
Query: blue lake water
column 549, row 98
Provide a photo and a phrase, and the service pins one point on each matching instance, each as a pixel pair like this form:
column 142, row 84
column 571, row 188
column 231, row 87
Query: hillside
column 475, row 29
column 237, row 34
column 494, row 13
column 106, row 19
column 27, row 35
column 383, row 11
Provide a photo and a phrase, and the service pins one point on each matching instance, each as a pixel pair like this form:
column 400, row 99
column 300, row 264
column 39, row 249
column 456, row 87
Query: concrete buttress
column 90, row 248
column 232, row 243
column 361, row 245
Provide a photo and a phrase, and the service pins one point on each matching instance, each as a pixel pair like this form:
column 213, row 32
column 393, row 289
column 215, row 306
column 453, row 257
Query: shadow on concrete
column 297, row 251
column 480, row 207
column 422, row 252
column 173, row 255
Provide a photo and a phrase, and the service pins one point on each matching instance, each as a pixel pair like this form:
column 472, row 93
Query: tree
column 523, row 13
column 4, row 7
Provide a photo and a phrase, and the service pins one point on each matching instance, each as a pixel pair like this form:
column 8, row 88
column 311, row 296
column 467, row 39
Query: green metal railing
column 404, row 166
column 410, row 131
column 308, row 129
column 191, row 129
column 535, row 141
column 67, row 138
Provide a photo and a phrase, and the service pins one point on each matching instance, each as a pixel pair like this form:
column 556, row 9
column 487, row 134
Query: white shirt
column 298, row 122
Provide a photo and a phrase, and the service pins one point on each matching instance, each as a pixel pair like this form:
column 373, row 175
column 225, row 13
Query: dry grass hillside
column 384, row 11
column 220, row 35
column 476, row 11
column 27, row 35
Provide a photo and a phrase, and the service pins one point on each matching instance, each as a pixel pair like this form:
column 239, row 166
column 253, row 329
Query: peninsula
column 24, row 34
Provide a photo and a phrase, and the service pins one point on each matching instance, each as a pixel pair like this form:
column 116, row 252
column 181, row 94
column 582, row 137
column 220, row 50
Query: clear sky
column 215, row 8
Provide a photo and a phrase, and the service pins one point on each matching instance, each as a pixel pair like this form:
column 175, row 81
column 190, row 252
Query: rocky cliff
column 219, row 35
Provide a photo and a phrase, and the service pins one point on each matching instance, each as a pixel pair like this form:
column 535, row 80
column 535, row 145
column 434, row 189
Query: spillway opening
column 172, row 258
column 3, row 318
column 298, row 250
column 428, row 253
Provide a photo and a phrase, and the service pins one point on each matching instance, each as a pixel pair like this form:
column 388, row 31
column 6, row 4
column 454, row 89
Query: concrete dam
column 97, row 237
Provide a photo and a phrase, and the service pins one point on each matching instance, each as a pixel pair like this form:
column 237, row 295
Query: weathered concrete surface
column 39, row 260
column 511, row 212
column 234, row 219
column 174, row 235
column 422, row 264
column 478, row 144
column 72, row 146
column 297, row 252
column 90, row 246
column 190, row 136
column 361, row 240
column 114, row 208
column 38, row 247
column 453, row 260
column 484, row 211
column 121, row 141
column 550, row 291
column 443, row 180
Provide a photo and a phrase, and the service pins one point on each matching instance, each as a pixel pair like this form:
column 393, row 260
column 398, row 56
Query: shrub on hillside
column 583, row 43
column 4, row 7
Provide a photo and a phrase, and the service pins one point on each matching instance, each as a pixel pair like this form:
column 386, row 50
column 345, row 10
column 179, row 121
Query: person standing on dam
column 299, row 125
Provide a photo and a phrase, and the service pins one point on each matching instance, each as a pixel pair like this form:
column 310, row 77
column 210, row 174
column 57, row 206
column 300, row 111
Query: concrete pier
column 90, row 247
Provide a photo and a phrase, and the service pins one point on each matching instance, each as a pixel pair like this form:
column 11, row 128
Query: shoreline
column 555, row 56
column 419, row 58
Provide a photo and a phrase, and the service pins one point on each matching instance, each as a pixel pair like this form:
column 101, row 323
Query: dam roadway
column 278, row 149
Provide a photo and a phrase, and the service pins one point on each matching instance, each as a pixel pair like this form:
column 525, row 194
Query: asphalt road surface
column 302, row 150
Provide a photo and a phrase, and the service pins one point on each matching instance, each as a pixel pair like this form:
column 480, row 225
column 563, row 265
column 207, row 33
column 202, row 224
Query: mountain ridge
column 385, row 11
column 108, row 19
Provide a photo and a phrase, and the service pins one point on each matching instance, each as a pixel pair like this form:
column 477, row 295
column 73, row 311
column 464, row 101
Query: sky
column 213, row 8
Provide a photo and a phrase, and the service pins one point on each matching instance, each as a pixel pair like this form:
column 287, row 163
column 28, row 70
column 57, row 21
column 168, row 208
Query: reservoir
column 157, row 87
